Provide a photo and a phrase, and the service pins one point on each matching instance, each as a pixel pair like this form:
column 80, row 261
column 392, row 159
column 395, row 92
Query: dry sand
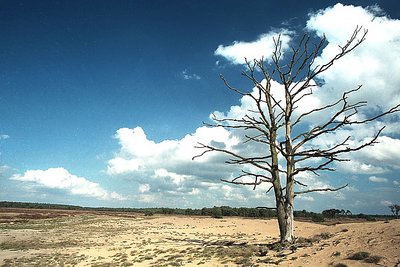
column 69, row 238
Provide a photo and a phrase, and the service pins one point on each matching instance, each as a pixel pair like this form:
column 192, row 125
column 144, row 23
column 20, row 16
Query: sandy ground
column 67, row 238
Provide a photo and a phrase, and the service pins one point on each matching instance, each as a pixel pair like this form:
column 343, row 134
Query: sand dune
column 67, row 238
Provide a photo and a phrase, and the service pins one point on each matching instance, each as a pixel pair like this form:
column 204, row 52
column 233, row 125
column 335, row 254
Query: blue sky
column 101, row 102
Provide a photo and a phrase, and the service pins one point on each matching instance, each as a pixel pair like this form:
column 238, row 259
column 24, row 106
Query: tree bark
column 285, row 222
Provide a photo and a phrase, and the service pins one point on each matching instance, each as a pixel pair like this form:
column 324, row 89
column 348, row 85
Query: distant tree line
column 215, row 212
column 331, row 213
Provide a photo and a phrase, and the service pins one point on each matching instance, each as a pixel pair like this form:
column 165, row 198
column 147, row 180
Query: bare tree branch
column 321, row 190
column 270, row 124
column 258, row 179
column 244, row 160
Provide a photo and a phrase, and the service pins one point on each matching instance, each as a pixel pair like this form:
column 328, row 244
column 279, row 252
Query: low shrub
column 148, row 213
column 336, row 254
column 362, row 255
column 318, row 218
column 373, row 259
column 366, row 257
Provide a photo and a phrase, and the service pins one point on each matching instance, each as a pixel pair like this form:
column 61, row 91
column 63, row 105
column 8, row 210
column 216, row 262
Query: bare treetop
column 275, row 122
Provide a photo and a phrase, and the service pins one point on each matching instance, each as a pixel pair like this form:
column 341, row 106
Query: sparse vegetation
column 148, row 213
column 318, row 218
column 373, row 259
column 226, row 211
column 366, row 257
column 359, row 256
column 336, row 253
column 157, row 241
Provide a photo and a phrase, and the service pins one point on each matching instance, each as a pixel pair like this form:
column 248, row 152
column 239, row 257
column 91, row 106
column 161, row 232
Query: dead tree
column 274, row 125
column 395, row 209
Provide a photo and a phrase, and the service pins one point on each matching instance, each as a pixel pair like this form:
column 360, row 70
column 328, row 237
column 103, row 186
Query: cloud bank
column 165, row 168
column 59, row 178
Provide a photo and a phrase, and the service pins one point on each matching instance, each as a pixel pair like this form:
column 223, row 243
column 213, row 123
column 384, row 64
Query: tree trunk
column 289, row 217
column 288, row 235
column 285, row 221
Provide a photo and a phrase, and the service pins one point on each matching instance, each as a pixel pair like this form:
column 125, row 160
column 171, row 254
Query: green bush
column 216, row 212
column 317, row 218
column 148, row 213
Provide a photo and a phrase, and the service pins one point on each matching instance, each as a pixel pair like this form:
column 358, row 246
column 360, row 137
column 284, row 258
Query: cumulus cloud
column 143, row 188
column 139, row 154
column 372, row 64
column 175, row 178
column 167, row 166
column 60, row 178
column 376, row 179
column 263, row 47
column 164, row 170
column 384, row 153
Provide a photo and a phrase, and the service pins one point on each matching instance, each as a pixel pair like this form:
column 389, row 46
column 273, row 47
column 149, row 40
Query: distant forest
column 215, row 212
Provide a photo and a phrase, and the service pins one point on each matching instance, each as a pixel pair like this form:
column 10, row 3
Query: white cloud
column 306, row 198
column 263, row 47
column 143, row 188
column 231, row 193
column 247, row 103
column 356, row 167
column 189, row 76
column 4, row 136
column 386, row 203
column 120, row 165
column 60, row 178
column 313, row 182
column 376, row 179
column 139, row 154
column 373, row 64
column 177, row 179
column 146, row 198
column 385, row 152
column 195, row 191
column 167, row 168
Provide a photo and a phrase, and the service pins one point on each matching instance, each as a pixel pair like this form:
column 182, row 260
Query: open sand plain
column 79, row 238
